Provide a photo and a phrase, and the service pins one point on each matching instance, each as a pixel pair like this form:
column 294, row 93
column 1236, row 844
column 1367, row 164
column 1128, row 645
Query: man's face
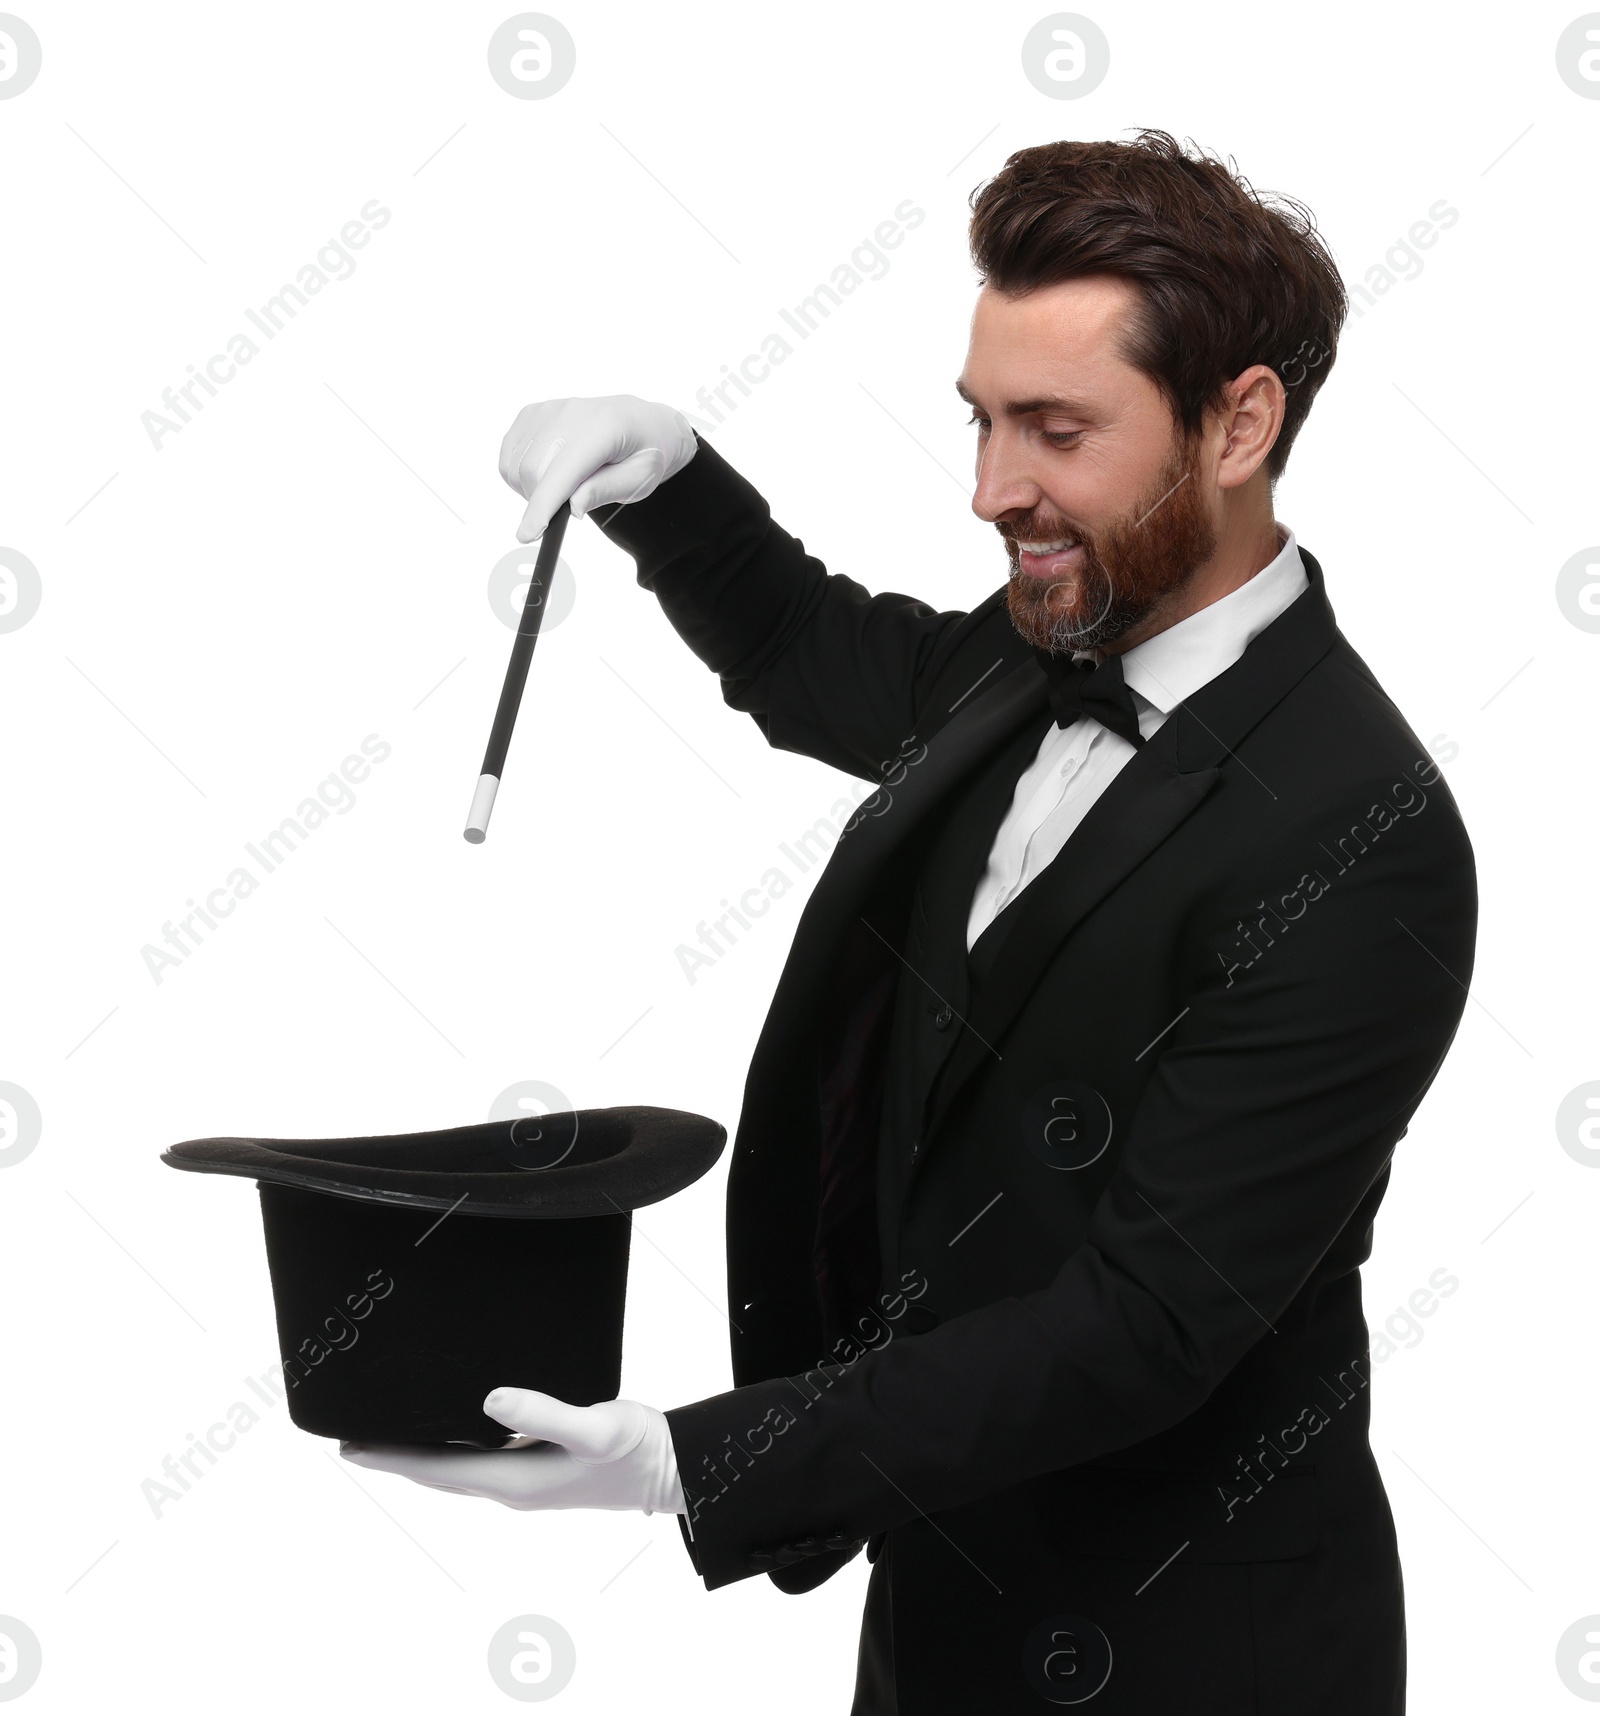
column 1102, row 505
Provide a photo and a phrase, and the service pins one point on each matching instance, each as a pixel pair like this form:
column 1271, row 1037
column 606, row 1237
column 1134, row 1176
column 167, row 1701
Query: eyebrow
column 1027, row 407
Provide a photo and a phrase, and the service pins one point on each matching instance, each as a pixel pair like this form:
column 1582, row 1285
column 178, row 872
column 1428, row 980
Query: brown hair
column 1227, row 278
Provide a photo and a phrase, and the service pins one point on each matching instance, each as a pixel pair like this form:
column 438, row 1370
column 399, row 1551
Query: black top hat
column 402, row 1292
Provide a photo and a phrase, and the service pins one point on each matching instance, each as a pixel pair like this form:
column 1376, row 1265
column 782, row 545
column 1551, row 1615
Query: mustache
column 1013, row 537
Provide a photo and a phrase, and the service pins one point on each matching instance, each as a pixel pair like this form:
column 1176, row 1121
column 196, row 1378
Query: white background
column 226, row 621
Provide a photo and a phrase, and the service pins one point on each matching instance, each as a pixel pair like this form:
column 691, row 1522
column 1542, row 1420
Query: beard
column 1128, row 566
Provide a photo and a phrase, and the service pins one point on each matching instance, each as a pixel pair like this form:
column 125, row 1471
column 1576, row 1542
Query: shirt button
column 941, row 1019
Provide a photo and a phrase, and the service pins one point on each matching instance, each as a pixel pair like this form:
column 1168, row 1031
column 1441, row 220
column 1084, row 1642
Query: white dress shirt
column 1076, row 764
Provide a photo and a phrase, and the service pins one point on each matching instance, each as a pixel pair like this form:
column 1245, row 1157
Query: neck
column 1246, row 543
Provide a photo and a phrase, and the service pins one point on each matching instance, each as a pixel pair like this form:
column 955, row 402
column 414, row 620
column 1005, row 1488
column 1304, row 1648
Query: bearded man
column 1063, row 1141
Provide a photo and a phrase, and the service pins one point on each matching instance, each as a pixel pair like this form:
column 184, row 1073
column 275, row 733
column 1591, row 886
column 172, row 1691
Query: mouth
column 1050, row 560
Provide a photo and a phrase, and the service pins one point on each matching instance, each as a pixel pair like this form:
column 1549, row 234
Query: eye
column 1062, row 437
column 981, row 421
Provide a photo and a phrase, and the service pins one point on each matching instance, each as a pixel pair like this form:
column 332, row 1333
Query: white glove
column 591, row 452
column 614, row 1455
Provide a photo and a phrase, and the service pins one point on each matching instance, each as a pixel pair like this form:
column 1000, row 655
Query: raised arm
column 823, row 667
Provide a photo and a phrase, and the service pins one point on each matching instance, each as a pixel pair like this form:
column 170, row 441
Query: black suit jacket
column 1127, row 1405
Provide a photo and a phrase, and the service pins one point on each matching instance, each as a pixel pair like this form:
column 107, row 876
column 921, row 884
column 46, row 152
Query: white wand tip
column 482, row 803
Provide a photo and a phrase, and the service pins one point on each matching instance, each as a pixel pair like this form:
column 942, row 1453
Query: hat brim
column 587, row 1162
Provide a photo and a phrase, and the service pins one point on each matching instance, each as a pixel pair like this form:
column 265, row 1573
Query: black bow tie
column 1082, row 688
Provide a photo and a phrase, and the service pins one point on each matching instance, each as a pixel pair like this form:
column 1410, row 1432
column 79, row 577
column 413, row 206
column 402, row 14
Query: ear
column 1251, row 421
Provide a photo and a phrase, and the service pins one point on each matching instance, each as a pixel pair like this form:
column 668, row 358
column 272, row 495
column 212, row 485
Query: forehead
column 1057, row 341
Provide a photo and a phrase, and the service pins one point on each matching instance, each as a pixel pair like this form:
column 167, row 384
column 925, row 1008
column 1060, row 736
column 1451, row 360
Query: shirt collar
column 1174, row 664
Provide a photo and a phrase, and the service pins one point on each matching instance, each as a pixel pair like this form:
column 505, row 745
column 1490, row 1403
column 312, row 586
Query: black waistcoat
column 939, row 978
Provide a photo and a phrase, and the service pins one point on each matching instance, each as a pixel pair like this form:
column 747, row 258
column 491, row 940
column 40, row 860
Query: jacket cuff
column 734, row 1529
column 688, row 1542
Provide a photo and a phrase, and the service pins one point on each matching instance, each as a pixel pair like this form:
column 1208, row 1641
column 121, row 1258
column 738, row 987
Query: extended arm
column 1274, row 1106
column 824, row 667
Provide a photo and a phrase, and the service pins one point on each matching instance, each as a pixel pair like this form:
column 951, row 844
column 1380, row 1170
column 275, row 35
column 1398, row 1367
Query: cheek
column 1100, row 478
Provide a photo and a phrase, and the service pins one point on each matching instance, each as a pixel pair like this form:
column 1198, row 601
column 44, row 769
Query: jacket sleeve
column 824, row 668
column 1274, row 1106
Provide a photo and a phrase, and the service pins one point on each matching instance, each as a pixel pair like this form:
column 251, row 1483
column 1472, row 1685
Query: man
column 1063, row 1141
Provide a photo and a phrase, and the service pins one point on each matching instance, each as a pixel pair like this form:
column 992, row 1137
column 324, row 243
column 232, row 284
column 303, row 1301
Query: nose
column 1004, row 486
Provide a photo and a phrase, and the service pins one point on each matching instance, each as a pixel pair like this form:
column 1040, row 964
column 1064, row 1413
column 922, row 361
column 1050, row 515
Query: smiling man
column 1090, row 569
column 1063, row 1141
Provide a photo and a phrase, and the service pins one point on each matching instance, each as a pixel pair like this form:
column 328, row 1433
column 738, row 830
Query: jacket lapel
column 925, row 774
column 1141, row 807
column 1163, row 785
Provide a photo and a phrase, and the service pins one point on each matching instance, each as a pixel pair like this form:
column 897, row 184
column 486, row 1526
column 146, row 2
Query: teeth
column 1049, row 547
